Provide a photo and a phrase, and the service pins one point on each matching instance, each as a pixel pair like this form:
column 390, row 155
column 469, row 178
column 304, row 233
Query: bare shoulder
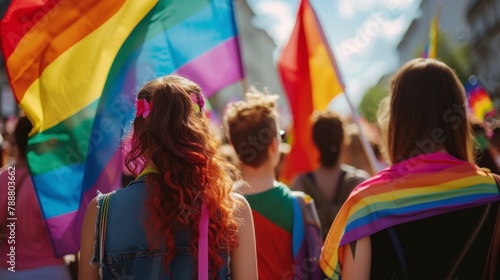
column 240, row 201
column 91, row 213
column 86, row 269
column 241, row 207
column 93, row 204
column 242, row 187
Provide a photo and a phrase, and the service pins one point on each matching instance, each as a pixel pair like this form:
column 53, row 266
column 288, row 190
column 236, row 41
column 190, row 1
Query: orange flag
column 311, row 80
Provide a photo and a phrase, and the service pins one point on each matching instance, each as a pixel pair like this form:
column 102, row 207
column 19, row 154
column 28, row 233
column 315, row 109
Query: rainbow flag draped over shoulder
column 311, row 80
column 74, row 67
column 478, row 100
column 421, row 187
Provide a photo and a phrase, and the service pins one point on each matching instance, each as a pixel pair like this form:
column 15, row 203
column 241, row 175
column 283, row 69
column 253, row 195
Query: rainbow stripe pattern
column 430, row 47
column 421, row 187
column 75, row 66
column 479, row 101
column 311, row 79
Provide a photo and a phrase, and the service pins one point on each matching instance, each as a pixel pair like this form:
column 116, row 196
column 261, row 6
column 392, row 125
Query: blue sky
column 363, row 34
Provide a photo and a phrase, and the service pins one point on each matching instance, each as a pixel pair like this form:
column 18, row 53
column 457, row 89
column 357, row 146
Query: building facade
column 453, row 23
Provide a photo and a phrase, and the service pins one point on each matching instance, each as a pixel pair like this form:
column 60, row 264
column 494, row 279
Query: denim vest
column 126, row 250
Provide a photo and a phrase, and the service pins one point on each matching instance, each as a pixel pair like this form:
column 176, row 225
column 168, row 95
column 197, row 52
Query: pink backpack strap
column 203, row 244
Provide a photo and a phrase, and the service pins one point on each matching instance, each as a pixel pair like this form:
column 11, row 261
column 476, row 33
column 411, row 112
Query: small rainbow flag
column 75, row 66
column 311, row 80
column 478, row 100
column 421, row 187
column 431, row 45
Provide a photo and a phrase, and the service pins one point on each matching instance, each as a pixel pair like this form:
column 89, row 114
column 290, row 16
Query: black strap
column 492, row 266
column 398, row 248
column 468, row 244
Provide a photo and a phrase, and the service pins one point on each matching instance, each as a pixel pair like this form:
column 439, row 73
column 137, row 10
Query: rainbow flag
column 478, row 100
column 311, row 80
column 431, row 46
column 75, row 66
column 421, row 187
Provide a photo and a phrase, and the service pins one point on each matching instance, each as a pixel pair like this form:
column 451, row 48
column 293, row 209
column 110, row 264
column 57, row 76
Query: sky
column 363, row 34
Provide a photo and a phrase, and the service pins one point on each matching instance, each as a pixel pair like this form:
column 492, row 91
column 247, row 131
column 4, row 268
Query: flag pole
column 244, row 86
column 370, row 154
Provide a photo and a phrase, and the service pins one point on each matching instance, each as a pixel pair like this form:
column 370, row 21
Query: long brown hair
column 428, row 112
column 176, row 140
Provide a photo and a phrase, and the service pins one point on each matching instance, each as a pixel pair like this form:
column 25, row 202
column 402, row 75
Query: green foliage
column 455, row 56
column 371, row 100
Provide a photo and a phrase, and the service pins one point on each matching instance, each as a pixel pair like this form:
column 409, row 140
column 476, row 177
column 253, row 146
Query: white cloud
column 358, row 81
column 383, row 24
column 349, row 8
column 275, row 17
column 395, row 28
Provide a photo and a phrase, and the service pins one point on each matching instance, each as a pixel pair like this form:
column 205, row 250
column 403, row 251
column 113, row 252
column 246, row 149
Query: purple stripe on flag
column 215, row 69
column 64, row 229
column 61, row 229
column 393, row 220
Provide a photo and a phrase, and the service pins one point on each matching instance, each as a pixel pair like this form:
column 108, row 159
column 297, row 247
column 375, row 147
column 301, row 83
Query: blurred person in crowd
column 484, row 156
column 29, row 253
column 333, row 181
column 228, row 152
column 495, row 143
column 353, row 152
column 179, row 212
column 432, row 214
column 254, row 133
column 284, row 149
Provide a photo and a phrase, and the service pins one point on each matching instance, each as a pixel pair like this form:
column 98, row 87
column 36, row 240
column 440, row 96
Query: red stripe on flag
column 20, row 18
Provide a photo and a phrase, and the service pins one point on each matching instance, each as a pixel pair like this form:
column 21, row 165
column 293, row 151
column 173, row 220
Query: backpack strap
column 493, row 258
column 310, row 231
column 399, row 249
column 103, row 218
column 468, row 244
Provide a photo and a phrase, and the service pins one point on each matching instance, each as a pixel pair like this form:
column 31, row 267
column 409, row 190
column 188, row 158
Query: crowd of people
column 198, row 208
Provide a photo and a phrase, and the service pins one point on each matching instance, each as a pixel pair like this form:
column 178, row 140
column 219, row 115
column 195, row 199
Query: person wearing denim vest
column 126, row 250
column 178, row 219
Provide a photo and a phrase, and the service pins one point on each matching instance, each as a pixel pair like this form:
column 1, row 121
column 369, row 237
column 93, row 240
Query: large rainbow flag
column 311, row 80
column 420, row 187
column 74, row 66
column 478, row 100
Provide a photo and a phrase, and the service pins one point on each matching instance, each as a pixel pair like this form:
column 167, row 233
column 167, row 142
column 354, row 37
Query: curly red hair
column 175, row 139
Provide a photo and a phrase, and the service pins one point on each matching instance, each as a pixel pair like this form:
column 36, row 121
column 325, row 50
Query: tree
column 371, row 100
column 457, row 57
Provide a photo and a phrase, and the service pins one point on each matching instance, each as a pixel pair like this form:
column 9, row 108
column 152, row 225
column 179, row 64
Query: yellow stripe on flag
column 77, row 77
column 324, row 83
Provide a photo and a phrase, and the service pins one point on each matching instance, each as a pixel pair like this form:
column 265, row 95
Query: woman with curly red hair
column 179, row 213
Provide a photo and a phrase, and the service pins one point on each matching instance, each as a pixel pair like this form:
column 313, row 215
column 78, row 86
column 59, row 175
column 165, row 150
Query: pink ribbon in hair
column 198, row 100
column 143, row 108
